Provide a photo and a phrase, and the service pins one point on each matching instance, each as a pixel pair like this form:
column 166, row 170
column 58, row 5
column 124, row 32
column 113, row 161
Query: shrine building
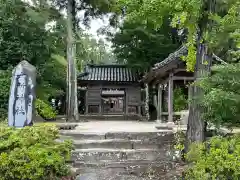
column 109, row 90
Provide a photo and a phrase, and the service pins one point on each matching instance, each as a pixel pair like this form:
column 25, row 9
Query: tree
column 205, row 23
column 72, row 101
column 90, row 50
column 142, row 46
column 221, row 96
column 24, row 36
column 91, row 9
column 73, row 6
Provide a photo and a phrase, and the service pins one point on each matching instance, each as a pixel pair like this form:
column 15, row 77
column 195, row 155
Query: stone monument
column 22, row 95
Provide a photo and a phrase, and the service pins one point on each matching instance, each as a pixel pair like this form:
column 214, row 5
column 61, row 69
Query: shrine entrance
column 113, row 101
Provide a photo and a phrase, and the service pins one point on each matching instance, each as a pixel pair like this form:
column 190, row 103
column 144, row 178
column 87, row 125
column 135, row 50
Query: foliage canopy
column 142, row 46
column 215, row 22
column 221, row 99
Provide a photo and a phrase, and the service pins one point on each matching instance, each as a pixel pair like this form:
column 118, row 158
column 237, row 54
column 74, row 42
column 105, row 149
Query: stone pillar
column 21, row 109
column 170, row 98
column 159, row 108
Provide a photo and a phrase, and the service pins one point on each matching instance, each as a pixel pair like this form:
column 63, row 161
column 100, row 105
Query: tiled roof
column 182, row 51
column 172, row 57
column 115, row 73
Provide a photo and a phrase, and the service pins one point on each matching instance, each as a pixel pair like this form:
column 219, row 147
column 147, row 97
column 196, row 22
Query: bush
column 5, row 80
column 218, row 158
column 221, row 100
column 45, row 110
column 31, row 153
column 180, row 100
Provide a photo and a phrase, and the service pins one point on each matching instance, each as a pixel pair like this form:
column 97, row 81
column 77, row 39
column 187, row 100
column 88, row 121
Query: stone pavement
column 121, row 150
column 116, row 126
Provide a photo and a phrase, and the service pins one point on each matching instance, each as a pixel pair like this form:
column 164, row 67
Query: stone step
column 115, row 143
column 95, row 155
column 107, row 175
column 126, row 164
column 76, row 135
column 140, row 171
column 152, row 136
column 126, row 117
column 104, row 143
column 162, row 136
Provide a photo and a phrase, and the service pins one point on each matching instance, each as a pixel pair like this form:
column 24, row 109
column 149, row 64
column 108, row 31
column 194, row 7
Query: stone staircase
column 121, row 155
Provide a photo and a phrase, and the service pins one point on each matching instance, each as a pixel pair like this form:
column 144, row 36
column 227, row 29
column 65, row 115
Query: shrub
column 5, row 80
column 218, row 158
column 221, row 100
column 45, row 110
column 180, row 100
column 31, row 153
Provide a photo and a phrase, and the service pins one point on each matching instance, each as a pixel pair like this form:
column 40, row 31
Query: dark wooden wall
column 132, row 95
column 93, row 94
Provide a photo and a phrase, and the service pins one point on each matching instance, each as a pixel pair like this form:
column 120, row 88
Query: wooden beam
column 159, row 108
column 170, row 98
column 161, row 81
column 184, row 78
column 179, row 70
column 157, row 81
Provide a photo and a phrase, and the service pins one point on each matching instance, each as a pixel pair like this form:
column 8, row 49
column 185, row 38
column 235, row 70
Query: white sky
column 95, row 25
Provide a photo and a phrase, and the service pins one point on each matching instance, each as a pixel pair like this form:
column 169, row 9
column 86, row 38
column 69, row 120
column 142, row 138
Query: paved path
column 116, row 126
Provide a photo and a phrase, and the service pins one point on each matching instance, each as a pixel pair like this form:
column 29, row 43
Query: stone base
column 66, row 126
column 168, row 126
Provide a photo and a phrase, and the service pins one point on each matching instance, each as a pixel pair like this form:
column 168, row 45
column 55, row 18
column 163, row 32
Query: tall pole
column 72, row 102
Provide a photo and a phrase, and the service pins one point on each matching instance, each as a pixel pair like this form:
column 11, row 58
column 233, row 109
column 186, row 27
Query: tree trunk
column 72, row 102
column 195, row 127
column 147, row 101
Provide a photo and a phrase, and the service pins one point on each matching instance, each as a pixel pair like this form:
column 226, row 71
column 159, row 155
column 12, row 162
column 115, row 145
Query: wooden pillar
column 126, row 99
column 155, row 101
column 100, row 108
column 86, row 102
column 159, row 108
column 189, row 95
column 170, row 98
column 147, row 102
column 139, row 102
column 139, row 110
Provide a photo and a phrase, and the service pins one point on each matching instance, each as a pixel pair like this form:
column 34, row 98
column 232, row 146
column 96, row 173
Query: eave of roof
column 111, row 73
column 182, row 51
